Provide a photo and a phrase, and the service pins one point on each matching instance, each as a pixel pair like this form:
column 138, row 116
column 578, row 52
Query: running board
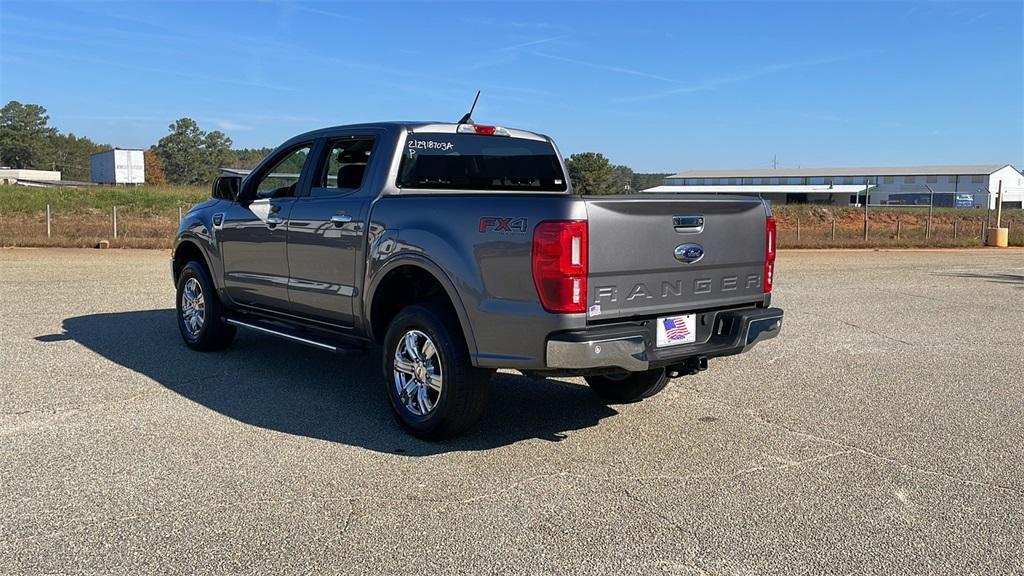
column 288, row 336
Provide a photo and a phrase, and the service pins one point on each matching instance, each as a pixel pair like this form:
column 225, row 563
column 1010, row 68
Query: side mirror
column 226, row 187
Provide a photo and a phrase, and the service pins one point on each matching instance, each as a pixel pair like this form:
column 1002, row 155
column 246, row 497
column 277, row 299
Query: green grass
column 140, row 200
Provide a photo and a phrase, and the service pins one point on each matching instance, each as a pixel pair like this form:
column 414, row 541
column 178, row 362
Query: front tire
column 630, row 386
column 199, row 311
column 433, row 388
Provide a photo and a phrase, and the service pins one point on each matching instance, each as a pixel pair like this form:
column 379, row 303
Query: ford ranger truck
column 461, row 249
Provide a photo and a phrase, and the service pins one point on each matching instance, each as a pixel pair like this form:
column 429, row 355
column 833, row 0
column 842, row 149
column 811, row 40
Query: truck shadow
column 287, row 387
column 995, row 277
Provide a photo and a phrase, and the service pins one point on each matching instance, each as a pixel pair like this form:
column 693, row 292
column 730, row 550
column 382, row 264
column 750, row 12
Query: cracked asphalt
column 880, row 434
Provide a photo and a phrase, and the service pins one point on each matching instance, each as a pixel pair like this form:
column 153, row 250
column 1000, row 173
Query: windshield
column 476, row 162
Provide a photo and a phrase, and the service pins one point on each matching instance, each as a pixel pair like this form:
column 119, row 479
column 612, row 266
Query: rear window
column 476, row 162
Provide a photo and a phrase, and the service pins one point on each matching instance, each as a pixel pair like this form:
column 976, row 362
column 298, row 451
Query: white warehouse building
column 965, row 185
column 118, row 166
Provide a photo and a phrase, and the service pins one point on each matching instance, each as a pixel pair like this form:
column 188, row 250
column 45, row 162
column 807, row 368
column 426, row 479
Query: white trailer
column 118, row 166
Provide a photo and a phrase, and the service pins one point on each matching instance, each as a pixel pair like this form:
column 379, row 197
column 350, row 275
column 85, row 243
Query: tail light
column 769, row 254
column 560, row 265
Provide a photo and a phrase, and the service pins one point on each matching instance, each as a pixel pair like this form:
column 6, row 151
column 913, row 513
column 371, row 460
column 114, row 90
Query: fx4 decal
column 489, row 223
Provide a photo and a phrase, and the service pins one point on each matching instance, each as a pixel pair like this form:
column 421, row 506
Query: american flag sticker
column 674, row 330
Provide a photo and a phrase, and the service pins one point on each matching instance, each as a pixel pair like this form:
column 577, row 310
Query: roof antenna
column 468, row 118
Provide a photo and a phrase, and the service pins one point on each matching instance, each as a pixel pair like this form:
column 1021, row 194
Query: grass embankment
column 147, row 217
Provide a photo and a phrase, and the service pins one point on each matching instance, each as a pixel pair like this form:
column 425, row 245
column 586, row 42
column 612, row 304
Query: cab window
column 283, row 179
column 480, row 162
column 345, row 167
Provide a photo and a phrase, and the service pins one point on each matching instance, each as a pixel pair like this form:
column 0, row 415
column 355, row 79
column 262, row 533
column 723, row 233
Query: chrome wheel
column 417, row 373
column 193, row 307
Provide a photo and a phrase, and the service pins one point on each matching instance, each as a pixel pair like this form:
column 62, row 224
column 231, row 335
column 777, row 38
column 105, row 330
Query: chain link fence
column 910, row 220
column 799, row 226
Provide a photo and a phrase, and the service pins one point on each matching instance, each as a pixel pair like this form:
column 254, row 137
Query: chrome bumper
column 628, row 353
column 745, row 329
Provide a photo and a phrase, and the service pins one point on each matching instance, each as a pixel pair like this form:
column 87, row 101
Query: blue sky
column 656, row 86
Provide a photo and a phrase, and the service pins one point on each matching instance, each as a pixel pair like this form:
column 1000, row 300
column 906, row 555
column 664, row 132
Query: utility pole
column 931, row 204
column 999, row 204
column 865, row 209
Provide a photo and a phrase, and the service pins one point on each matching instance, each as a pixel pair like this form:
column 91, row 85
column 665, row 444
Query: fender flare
column 196, row 243
column 202, row 245
column 429, row 266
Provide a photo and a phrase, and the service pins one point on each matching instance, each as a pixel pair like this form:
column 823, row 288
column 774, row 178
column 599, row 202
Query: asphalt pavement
column 881, row 433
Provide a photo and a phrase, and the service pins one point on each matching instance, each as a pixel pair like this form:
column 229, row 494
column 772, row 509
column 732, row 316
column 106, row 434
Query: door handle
column 688, row 223
column 339, row 219
column 273, row 221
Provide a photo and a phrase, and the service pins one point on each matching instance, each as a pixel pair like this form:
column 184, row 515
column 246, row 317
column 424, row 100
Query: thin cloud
column 685, row 87
column 503, row 58
column 911, row 11
column 275, row 118
column 398, row 79
column 820, row 117
column 115, row 117
column 493, row 23
column 977, row 17
column 229, row 125
column 156, row 71
column 608, row 68
column 506, row 54
column 718, row 82
column 317, row 11
column 533, row 43
column 138, row 38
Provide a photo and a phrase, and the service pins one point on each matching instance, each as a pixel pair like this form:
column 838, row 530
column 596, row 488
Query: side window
column 345, row 167
column 282, row 179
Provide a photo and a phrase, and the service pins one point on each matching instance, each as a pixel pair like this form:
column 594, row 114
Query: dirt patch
column 88, row 230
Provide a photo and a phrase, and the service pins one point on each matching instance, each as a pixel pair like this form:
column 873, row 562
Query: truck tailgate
column 633, row 268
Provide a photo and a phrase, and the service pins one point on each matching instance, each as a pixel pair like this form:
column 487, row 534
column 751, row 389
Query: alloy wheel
column 417, row 373
column 193, row 307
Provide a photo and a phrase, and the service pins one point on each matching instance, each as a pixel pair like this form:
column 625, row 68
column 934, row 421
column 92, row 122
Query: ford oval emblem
column 689, row 253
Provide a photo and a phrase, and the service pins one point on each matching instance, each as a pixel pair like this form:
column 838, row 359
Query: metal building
column 970, row 185
column 29, row 177
column 118, row 166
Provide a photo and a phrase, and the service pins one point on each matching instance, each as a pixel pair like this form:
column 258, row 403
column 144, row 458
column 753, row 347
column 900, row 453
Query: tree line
column 192, row 156
column 592, row 173
column 186, row 155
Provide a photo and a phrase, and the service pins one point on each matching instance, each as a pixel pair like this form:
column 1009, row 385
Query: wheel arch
column 381, row 308
column 186, row 251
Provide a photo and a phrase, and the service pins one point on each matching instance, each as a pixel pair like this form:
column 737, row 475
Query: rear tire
column 435, row 391
column 199, row 312
column 630, row 387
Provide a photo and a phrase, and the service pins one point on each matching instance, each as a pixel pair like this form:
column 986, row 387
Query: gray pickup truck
column 462, row 249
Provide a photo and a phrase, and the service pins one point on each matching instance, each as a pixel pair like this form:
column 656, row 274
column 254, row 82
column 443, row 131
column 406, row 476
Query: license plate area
column 675, row 330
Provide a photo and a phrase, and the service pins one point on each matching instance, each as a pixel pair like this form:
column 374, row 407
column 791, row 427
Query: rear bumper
column 631, row 346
